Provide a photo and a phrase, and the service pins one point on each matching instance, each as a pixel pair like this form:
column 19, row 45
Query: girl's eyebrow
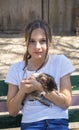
column 39, row 38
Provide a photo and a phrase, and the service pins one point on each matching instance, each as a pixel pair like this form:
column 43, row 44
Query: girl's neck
column 34, row 65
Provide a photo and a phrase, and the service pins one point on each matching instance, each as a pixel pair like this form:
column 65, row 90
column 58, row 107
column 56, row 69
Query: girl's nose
column 38, row 45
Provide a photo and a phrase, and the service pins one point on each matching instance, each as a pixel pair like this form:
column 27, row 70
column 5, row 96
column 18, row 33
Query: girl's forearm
column 58, row 99
column 15, row 104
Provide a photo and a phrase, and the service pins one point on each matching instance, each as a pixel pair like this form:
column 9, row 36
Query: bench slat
column 74, row 80
column 75, row 100
column 3, row 88
column 73, row 115
column 8, row 121
column 3, row 107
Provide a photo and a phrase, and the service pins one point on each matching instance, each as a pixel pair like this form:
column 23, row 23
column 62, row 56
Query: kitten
column 48, row 83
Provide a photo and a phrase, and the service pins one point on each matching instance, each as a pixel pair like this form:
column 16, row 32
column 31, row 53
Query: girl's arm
column 15, row 96
column 63, row 99
column 14, row 99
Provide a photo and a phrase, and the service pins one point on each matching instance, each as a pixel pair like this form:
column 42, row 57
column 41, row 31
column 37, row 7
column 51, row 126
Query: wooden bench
column 7, row 121
column 74, row 108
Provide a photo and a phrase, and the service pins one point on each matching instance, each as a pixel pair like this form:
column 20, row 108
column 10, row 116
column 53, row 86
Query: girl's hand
column 29, row 85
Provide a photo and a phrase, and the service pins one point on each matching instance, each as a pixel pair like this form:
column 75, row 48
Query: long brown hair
column 28, row 31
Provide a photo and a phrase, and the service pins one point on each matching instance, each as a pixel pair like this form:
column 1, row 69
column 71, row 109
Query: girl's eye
column 43, row 41
column 31, row 42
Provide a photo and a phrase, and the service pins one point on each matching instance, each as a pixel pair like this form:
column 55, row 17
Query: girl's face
column 37, row 44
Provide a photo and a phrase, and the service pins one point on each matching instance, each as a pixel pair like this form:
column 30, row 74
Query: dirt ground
column 12, row 48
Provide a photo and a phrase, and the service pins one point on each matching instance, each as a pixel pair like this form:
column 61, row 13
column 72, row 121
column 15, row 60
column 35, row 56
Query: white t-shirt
column 57, row 66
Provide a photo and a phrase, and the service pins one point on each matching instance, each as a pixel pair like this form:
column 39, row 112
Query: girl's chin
column 38, row 57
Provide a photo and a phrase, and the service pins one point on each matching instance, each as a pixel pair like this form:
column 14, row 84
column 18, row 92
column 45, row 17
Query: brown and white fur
column 48, row 83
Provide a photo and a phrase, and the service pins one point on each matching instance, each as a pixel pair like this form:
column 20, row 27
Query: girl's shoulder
column 57, row 57
column 18, row 64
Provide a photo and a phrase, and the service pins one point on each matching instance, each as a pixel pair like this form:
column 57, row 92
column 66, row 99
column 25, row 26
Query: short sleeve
column 66, row 66
column 11, row 75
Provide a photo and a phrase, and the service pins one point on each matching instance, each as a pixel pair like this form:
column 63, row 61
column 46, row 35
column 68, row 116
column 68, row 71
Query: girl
column 37, row 116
